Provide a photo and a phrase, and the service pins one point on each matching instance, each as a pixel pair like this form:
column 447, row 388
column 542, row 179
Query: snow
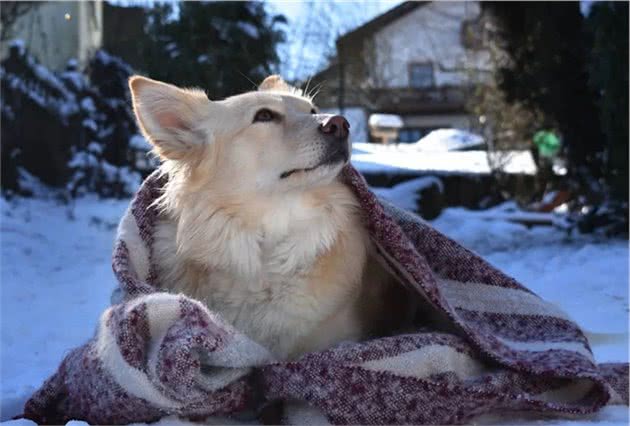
column 406, row 158
column 407, row 194
column 83, row 160
column 88, row 104
column 107, row 59
column 449, row 140
column 130, row 179
column 510, row 212
column 75, row 79
column 172, row 49
column 90, row 124
column 248, row 29
column 31, row 183
column 385, row 120
column 95, row 147
column 65, row 105
column 72, row 63
column 138, row 142
column 43, row 74
column 19, row 45
column 57, row 279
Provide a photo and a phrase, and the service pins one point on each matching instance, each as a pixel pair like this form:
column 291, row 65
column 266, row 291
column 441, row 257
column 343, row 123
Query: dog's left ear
column 276, row 83
column 169, row 117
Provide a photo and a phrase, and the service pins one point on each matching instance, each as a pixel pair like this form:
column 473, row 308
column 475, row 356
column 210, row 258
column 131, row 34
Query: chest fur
column 277, row 278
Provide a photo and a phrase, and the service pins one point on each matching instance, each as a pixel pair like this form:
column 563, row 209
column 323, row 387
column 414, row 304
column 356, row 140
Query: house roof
column 381, row 20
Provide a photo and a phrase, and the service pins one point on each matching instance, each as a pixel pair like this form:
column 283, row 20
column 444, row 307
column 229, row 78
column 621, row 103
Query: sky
column 313, row 28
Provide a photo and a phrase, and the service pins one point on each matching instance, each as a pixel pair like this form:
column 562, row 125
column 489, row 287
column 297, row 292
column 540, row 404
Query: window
column 421, row 75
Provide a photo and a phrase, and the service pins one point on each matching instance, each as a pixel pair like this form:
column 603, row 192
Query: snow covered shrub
column 71, row 130
column 40, row 119
column 107, row 164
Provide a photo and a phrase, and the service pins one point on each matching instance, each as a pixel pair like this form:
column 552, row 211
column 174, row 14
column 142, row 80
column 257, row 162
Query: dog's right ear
column 169, row 117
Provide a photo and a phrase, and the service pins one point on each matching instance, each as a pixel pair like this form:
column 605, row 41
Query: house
column 55, row 32
column 419, row 60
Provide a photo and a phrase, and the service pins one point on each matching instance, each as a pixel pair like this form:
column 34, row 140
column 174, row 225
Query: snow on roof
column 406, row 158
column 449, row 140
column 385, row 120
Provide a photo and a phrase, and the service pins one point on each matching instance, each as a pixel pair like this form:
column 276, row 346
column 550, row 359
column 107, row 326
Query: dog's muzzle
column 335, row 130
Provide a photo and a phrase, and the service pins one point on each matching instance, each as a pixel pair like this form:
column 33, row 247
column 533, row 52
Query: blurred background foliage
column 554, row 67
column 223, row 47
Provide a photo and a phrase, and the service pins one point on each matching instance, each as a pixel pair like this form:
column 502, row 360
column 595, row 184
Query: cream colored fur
column 285, row 260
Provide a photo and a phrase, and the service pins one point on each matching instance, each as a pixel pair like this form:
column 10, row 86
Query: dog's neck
column 257, row 236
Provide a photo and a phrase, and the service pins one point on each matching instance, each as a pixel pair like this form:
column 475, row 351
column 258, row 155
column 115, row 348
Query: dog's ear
column 169, row 117
column 276, row 83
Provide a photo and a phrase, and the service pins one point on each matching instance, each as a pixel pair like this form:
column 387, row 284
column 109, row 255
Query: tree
column 608, row 26
column 84, row 127
column 505, row 125
column 315, row 30
column 547, row 71
column 223, row 47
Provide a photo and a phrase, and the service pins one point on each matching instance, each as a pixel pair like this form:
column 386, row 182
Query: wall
column 430, row 33
column 53, row 39
column 90, row 29
column 458, row 121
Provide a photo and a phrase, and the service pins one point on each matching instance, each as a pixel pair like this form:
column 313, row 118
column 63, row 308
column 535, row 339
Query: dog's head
column 268, row 140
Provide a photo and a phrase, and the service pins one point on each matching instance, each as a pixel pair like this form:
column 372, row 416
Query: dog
column 255, row 222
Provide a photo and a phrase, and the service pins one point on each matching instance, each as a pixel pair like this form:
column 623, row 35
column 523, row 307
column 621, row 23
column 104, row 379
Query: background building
column 55, row 32
column 418, row 60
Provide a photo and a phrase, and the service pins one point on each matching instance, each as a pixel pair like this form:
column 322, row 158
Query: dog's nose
column 336, row 126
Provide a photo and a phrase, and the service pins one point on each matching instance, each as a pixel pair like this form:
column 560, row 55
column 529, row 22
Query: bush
column 71, row 130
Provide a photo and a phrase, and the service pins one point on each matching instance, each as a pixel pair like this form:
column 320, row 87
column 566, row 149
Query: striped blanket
column 156, row 354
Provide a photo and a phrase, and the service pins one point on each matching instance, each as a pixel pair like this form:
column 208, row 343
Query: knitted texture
column 156, row 354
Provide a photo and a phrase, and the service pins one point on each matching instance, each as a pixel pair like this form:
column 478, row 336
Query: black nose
column 336, row 126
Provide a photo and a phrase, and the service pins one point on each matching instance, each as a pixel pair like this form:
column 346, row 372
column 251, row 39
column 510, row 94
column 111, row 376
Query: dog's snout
column 336, row 126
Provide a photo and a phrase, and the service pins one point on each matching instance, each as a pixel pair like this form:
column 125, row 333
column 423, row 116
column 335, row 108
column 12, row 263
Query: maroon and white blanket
column 156, row 354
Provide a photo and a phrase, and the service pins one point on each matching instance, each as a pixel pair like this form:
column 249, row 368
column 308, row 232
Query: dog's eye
column 313, row 111
column 264, row 115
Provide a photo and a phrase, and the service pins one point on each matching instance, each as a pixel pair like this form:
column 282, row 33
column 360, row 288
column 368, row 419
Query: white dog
column 255, row 222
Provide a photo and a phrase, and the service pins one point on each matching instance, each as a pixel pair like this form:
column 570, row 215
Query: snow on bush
column 408, row 194
column 73, row 131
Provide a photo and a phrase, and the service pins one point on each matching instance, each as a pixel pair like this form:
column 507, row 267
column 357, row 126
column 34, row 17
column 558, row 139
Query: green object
column 547, row 142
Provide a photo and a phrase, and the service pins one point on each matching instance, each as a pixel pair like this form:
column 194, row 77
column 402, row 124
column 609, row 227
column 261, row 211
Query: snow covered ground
column 409, row 158
column 56, row 279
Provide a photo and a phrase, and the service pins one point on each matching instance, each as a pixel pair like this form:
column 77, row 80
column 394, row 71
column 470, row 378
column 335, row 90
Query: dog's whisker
column 316, row 89
column 308, row 82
